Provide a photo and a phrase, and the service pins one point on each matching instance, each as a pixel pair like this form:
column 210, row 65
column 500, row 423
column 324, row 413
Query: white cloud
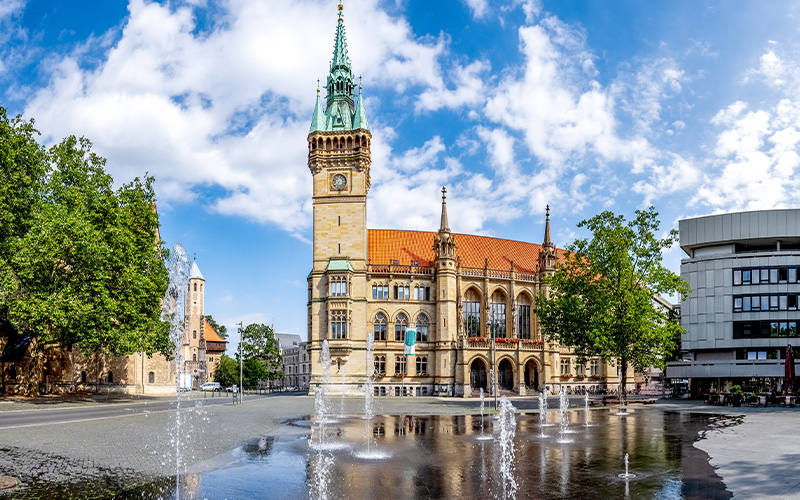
column 227, row 107
column 469, row 91
column 479, row 8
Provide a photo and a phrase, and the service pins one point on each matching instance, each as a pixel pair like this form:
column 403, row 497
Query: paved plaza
column 100, row 443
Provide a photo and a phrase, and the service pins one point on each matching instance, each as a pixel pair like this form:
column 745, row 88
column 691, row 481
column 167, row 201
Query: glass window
column 339, row 324
column 472, row 314
column 151, row 378
column 580, row 370
column 737, row 304
column 762, row 355
column 792, row 301
column 773, row 302
column 773, row 275
column 751, row 354
column 773, row 329
column 523, row 317
column 400, row 364
column 737, row 276
column 400, row 325
column 565, row 366
column 745, row 303
column 783, row 274
column 422, row 328
column 498, row 315
column 422, row 365
column 783, row 328
column 746, row 276
column 379, row 327
column 380, row 364
column 791, row 329
column 783, row 302
column 792, row 275
column 594, row 367
column 765, row 276
column 756, row 302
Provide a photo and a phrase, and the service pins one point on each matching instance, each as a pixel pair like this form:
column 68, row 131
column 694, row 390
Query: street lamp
column 241, row 335
column 490, row 325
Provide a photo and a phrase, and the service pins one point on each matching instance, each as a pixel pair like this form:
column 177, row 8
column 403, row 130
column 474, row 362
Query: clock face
column 339, row 181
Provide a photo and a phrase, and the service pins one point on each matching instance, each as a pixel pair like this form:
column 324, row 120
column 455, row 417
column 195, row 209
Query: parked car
column 232, row 388
column 211, row 386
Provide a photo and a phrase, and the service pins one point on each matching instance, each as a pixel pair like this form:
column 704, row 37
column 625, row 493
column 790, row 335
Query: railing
column 505, row 344
column 400, row 269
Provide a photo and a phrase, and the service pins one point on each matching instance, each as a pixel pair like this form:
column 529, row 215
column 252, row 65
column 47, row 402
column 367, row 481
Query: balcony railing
column 400, row 269
column 477, row 272
column 505, row 344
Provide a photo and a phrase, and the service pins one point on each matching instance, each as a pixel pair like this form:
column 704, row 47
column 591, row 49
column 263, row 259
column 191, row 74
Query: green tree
column 600, row 299
column 227, row 371
column 222, row 330
column 79, row 260
column 258, row 342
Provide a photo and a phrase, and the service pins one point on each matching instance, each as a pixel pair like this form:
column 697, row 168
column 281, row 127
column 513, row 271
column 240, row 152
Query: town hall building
column 469, row 298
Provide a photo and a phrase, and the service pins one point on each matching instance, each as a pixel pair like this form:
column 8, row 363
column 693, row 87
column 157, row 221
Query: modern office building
column 743, row 270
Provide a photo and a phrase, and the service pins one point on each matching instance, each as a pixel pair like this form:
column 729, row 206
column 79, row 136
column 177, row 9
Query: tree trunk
column 623, row 381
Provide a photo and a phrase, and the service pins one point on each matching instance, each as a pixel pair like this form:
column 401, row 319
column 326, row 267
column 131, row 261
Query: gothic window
column 400, row 325
column 380, row 364
column 580, row 370
column 195, row 287
column 402, row 292
column 422, row 328
column 194, row 334
column 379, row 329
column 400, row 364
column 472, row 313
column 338, row 286
column 594, row 367
column 497, row 315
column 523, row 317
column 151, row 377
column 194, row 357
column 422, row 365
column 339, row 324
column 565, row 366
column 380, row 292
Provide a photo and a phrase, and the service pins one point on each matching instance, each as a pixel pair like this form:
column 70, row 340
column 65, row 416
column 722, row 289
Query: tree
column 600, row 300
column 258, row 342
column 79, row 260
column 227, row 371
column 221, row 330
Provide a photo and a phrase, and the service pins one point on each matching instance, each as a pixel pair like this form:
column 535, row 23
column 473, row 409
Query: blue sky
column 693, row 107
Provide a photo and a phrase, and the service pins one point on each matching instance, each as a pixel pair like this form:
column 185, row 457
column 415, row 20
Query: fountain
column 341, row 401
column 622, row 411
column 508, row 429
column 368, row 410
column 178, row 265
column 483, row 436
column 626, row 475
column 563, row 406
column 586, row 410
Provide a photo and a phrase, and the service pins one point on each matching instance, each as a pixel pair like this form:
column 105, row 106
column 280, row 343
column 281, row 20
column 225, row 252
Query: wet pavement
column 105, row 454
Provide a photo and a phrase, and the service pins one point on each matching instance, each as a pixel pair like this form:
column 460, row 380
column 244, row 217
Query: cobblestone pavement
column 92, row 459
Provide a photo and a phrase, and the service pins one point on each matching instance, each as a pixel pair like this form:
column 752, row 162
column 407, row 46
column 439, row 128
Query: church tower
column 194, row 346
column 339, row 160
column 444, row 249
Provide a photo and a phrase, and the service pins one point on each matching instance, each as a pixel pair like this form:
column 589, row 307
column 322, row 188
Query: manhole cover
column 7, row 482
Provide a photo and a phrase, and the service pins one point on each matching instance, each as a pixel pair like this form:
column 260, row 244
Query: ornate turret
column 444, row 246
column 547, row 257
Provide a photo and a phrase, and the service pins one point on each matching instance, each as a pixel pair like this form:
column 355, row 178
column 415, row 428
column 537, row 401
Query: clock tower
column 339, row 160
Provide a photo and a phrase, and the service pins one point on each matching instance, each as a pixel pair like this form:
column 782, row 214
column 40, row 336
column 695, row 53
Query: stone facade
column 458, row 291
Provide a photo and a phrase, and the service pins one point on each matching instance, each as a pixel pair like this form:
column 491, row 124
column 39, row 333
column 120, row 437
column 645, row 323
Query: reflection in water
column 441, row 457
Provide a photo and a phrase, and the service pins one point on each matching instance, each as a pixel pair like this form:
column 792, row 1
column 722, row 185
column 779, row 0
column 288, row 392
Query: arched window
column 400, row 365
column 83, row 377
column 379, row 328
column 338, row 286
column 195, row 287
column 194, row 334
column 110, row 378
column 422, row 365
column 422, row 328
column 194, row 357
column 151, row 377
column 400, row 325
column 523, row 317
column 472, row 313
column 497, row 314
column 380, row 364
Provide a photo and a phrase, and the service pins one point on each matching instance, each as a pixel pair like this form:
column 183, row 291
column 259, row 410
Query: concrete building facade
column 743, row 310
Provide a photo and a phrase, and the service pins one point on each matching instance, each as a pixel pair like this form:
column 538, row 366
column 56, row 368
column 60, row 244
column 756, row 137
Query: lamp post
column 241, row 335
column 490, row 325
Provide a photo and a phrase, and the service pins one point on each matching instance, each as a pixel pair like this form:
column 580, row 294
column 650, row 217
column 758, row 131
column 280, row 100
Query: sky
column 692, row 107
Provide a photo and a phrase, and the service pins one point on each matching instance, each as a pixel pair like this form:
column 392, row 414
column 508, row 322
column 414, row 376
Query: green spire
column 340, row 109
column 360, row 120
column 318, row 120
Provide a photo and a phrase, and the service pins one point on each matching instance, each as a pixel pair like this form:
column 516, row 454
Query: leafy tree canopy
column 258, row 342
column 601, row 299
column 221, row 330
column 79, row 260
column 227, row 371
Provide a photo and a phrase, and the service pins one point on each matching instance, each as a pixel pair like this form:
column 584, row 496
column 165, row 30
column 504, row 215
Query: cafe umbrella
column 789, row 371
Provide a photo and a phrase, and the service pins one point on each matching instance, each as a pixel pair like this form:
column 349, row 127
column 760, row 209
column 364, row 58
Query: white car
column 211, row 386
column 232, row 388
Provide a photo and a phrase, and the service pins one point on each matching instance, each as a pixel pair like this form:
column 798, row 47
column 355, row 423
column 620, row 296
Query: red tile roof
column 211, row 334
column 387, row 245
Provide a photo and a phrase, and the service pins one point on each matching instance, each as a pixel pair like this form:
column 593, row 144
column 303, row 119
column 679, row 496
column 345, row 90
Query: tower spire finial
column 547, row 241
column 443, row 226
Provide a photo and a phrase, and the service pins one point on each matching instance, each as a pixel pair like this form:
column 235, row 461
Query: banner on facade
column 411, row 341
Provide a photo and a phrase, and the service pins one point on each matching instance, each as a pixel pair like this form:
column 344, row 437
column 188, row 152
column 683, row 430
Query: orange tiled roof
column 387, row 245
column 211, row 334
